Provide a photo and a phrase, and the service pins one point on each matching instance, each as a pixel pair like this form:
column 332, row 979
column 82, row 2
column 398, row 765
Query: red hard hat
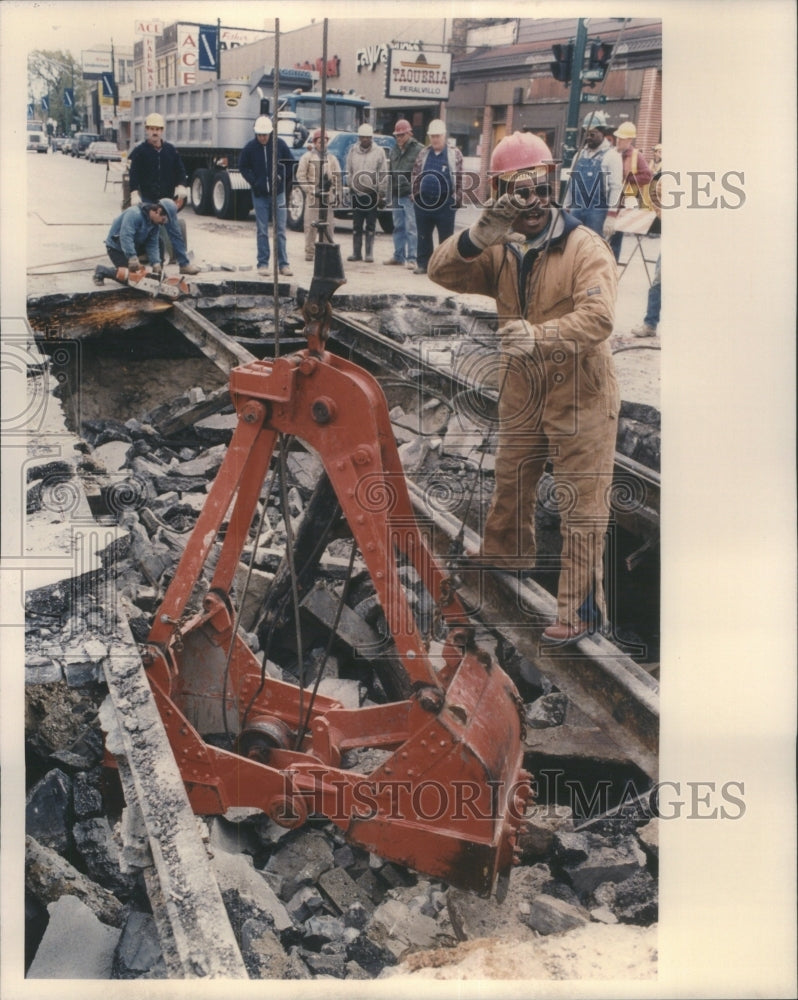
column 519, row 151
column 317, row 134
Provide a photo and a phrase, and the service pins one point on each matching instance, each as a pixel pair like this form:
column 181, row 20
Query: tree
column 51, row 73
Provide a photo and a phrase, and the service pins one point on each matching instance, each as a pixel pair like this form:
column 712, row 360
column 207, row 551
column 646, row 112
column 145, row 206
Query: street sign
column 108, row 84
column 593, row 98
column 69, row 97
column 591, row 74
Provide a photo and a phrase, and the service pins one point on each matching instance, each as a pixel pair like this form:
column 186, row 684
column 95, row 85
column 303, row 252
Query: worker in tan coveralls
column 555, row 284
column 308, row 177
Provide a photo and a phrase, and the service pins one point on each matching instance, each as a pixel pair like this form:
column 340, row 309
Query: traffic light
column 600, row 55
column 563, row 58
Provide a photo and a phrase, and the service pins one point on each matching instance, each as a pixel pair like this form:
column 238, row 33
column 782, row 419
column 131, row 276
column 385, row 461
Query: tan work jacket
column 308, row 172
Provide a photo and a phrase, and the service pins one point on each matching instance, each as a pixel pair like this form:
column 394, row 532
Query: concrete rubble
column 302, row 904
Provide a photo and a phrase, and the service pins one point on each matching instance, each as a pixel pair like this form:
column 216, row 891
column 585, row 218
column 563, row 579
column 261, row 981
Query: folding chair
column 636, row 222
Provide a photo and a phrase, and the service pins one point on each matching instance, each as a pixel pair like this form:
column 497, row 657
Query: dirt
column 596, row 951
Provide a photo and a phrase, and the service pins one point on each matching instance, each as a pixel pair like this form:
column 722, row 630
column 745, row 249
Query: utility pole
column 113, row 76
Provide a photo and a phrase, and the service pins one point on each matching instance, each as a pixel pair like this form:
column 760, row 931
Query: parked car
column 58, row 143
column 103, row 152
column 82, row 141
column 66, row 149
column 37, row 141
column 338, row 146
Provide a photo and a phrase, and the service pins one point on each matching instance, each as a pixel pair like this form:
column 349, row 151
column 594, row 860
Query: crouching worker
column 554, row 282
column 135, row 232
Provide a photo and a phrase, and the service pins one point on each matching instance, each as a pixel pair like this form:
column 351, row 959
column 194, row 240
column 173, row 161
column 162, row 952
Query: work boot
column 564, row 634
column 644, row 331
column 369, row 258
column 98, row 277
column 357, row 247
column 393, row 260
column 189, row 269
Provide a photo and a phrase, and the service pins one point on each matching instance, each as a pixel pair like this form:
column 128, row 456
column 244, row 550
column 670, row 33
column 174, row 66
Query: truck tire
column 296, row 209
column 201, row 191
column 221, row 195
column 386, row 221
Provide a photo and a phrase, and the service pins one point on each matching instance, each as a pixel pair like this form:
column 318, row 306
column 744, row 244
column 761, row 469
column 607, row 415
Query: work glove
column 181, row 194
column 609, row 226
column 135, row 198
column 133, row 263
column 495, row 224
column 517, row 336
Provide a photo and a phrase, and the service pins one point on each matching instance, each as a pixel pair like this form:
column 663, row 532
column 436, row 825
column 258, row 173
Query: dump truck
column 210, row 122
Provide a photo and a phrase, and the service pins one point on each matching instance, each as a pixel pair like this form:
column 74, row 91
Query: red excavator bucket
column 449, row 792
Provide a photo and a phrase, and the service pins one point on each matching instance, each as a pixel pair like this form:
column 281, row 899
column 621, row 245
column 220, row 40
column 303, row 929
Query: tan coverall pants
column 561, row 406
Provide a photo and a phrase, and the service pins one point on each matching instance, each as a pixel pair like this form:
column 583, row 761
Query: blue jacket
column 132, row 231
column 256, row 168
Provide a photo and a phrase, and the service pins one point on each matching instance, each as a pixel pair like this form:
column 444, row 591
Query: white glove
column 495, row 224
column 133, row 264
column 609, row 226
column 181, row 192
column 135, row 198
column 518, row 336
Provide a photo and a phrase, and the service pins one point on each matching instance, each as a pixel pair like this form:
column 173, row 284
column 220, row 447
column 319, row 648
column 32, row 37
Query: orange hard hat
column 519, row 151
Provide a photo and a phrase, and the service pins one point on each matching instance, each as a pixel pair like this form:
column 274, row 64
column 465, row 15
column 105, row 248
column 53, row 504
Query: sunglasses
column 524, row 192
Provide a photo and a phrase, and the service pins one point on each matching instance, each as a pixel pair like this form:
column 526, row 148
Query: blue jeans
column 263, row 216
column 654, row 297
column 427, row 221
column 405, row 236
column 173, row 230
column 593, row 218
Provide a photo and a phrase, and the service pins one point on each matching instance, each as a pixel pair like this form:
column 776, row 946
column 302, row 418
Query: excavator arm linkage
column 451, row 792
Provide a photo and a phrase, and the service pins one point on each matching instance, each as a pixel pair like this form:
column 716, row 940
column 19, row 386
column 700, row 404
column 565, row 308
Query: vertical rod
column 275, row 154
column 321, row 196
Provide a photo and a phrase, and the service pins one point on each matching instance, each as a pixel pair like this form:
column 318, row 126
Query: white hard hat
column 154, row 121
column 436, row 127
column 595, row 119
column 263, row 125
column 365, row 129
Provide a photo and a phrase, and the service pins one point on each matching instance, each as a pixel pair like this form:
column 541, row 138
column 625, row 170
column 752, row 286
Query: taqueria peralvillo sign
column 418, row 75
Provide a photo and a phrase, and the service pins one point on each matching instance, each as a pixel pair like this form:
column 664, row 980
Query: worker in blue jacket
column 255, row 165
column 135, row 232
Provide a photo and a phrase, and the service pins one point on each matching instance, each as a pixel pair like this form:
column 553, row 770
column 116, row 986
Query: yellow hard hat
column 154, row 121
column 625, row 131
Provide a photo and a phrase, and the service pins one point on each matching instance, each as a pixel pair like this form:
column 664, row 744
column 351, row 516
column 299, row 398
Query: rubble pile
column 303, row 903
